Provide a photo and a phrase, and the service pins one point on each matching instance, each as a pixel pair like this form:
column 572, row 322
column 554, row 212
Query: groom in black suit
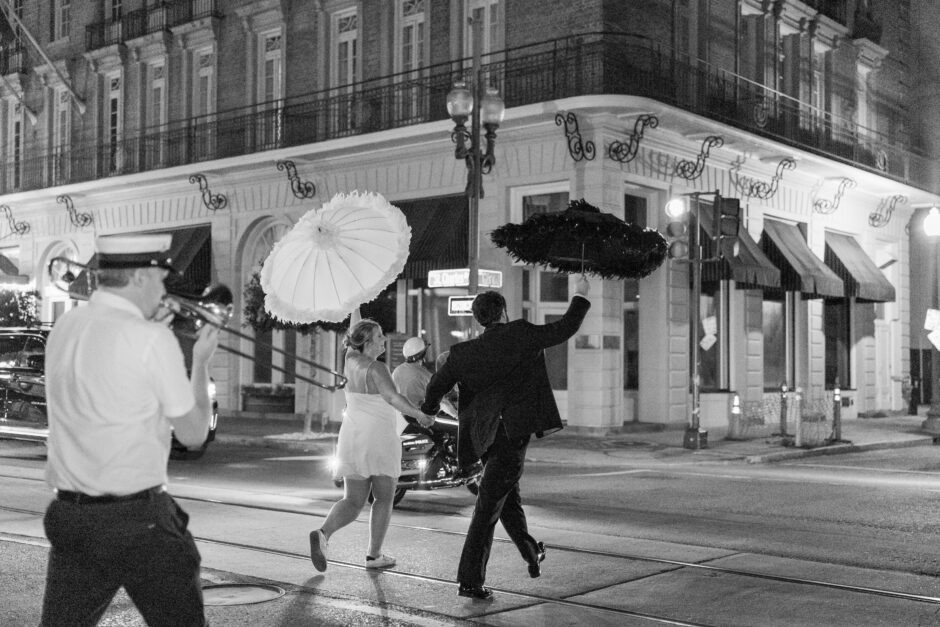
column 505, row 397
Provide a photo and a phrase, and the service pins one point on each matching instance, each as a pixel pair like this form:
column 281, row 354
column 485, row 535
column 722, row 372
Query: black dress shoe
column 535, row 570
column 475, row 592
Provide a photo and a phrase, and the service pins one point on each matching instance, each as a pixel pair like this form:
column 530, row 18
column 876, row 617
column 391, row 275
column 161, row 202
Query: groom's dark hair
column 488, row 308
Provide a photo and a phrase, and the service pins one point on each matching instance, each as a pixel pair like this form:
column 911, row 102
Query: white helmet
column 413, row 346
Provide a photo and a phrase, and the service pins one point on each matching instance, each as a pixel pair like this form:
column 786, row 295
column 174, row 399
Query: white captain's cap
column 134, row 251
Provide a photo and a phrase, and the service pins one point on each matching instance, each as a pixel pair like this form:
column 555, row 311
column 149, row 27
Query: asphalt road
column 875, row 510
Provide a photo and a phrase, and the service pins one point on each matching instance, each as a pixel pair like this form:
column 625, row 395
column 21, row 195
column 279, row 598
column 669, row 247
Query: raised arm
column 562, row 330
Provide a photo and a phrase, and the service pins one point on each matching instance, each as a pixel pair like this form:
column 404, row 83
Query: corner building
column 224, row 121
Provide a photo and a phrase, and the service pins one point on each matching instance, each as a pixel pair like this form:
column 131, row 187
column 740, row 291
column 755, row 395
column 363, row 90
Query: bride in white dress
column 368, row 448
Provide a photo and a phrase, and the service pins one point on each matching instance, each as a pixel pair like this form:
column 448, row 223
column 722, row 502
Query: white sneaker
column 318, row 546
column 382, row 561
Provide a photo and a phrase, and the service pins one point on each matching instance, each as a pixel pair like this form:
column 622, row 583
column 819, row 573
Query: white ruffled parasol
column 336, row 258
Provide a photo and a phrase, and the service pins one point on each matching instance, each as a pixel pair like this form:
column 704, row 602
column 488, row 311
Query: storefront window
column 631, row 350
column 836, row 328
column 634, row 211
column 708, row 352
column 429, row 317
column 774, row 331
column 543, row 203
column 553, row 287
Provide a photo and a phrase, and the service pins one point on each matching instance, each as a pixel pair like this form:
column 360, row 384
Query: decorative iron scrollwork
column 577, row 147
column 300, row 189
column 19, row 228
column 829, row 206
column 766, row 191
column 881, row 160
column 213, row 202
column 761, row 112
column 882, row 215
column 79, row 219
column 627, row 151
column 691, row 170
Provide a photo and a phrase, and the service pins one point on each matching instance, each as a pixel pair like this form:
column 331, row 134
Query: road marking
column 615, row 472
column 299, row 458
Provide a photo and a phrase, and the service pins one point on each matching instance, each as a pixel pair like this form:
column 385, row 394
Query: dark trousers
column 497, row 500
column 141, row 545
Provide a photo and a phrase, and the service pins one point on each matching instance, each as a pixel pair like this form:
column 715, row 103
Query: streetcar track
column 907, row 596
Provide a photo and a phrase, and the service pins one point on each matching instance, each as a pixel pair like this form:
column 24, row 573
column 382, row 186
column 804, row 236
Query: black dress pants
column 142, row 545
column 497, row 500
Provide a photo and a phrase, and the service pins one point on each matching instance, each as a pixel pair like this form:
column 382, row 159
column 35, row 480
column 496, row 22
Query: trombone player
column 116, row 385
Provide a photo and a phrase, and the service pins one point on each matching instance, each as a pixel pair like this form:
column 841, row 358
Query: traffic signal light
column 727, row 225
column 677, row 230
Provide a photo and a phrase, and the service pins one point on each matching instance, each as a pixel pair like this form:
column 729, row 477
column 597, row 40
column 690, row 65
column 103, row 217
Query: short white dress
column 368, row 441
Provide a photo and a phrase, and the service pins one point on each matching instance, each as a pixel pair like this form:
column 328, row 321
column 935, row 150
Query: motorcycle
column 429, row 460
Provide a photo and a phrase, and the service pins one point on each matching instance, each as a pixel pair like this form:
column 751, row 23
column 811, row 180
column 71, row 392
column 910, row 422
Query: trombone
column 213, row 307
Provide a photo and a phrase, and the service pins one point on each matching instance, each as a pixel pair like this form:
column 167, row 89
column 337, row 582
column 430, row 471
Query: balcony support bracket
column 762, row 189
column 625, row 152
column 882, row 215
column 825, row 207
column 577, row 147
column 213, row 202
column 79, row 219
column 691, row 170
column 17, row 228
column 300, row 189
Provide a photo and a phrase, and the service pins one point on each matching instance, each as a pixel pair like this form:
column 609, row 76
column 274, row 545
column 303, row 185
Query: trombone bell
column 63, row 272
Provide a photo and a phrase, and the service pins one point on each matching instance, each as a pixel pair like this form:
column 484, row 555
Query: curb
column 837, row 449
column 272, row 441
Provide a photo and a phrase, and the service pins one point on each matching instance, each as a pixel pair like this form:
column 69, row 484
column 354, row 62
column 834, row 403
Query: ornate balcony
column 595, row 64
column 837, row 10
column 13, row 60
column 152, row 19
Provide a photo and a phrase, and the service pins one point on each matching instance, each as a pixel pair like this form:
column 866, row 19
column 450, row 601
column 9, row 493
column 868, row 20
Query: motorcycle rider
column 411, row 378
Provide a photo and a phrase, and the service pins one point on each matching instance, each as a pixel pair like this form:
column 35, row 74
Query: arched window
column 258, row 246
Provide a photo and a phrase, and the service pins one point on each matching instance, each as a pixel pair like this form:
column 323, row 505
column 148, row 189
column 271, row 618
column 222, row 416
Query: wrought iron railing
column 599, row 63
column 13, row 60
column 836, row 10
column 152, row 19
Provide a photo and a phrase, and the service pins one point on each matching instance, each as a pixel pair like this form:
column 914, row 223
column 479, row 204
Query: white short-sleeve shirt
column 112, row 378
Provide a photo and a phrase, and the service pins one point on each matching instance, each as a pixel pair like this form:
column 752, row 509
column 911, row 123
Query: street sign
column 460, row 277
column 460, row 305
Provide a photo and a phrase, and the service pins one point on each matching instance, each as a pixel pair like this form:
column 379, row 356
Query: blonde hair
column 360, row 333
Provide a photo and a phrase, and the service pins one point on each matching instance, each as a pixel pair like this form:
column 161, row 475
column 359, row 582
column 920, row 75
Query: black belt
column 85, row 499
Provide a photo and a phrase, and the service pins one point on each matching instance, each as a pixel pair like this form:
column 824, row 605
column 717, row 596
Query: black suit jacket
column 502, row 373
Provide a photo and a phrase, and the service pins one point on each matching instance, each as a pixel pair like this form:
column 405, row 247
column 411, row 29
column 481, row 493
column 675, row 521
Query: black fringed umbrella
column 582, row 239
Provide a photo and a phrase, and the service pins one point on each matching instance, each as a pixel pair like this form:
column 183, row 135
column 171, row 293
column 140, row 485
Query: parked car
column 23, row 391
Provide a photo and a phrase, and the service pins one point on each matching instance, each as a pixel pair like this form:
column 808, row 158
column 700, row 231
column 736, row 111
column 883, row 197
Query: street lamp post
column 482, row 105
column 932, row 230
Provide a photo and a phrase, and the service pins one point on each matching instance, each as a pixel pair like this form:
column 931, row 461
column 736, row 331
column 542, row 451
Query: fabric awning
column 800, row 269
column 749, row 269
column 858, row 272
column 439, row 228
column 191, row 252
column 10, row 274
